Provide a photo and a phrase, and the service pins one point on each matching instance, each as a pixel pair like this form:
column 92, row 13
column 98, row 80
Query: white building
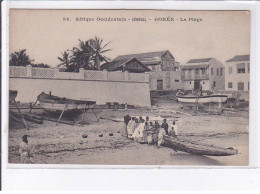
column 209, row 72
column 237, row 73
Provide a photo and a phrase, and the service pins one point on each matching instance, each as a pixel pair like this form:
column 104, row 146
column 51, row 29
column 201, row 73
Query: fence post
column 82, row 73
column 105, row 74
column 126, row 75
column 29, row 70
column 57, row 71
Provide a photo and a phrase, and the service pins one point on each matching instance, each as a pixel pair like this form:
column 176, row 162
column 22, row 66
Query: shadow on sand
column 192, row 159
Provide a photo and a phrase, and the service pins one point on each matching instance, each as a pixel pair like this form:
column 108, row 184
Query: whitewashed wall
column 99, row 86
column 234, row 77
column 171, row 80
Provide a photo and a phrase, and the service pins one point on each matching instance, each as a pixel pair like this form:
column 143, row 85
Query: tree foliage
column 41, row 65
column 21, row 58
column 88, row 55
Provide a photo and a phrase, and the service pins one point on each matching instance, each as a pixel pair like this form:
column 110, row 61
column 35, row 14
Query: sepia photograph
column 129, row 87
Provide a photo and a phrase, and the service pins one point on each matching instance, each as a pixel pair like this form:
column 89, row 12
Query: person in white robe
column 131, row 127
column 138, row 133
column 162, row 132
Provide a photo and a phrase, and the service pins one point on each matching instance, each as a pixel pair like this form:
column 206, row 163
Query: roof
column 205, row 60
column 118, row 64
column 195, row 66
column 114, row 64
column 239, row 58
column 145, row 58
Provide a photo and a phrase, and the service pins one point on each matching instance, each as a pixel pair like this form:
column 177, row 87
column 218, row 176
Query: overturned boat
column 196, row 148
column 55, row 104
column 213, row 98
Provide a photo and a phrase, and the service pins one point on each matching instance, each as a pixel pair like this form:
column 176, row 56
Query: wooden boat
column 55, row 104
column 196, row 148
column 12, row 95
column 213, row 98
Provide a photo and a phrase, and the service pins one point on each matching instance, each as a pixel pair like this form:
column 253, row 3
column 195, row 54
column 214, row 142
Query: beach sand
column 63, row 144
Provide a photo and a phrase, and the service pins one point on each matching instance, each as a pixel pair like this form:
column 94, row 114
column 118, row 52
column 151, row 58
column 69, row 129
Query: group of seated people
column 146, row 131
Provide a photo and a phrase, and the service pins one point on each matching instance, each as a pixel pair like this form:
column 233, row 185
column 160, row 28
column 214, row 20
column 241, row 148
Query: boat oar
column 32, row 106
column 14, row 118
column 24, row 122
column 95, row 114
column 83, row 115
column 61, row 114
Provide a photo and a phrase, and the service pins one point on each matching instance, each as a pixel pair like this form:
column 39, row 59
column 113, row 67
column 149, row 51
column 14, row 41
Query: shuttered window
column 203, row 71
column 241, row 68
column 230, row 85
column 196, row 71
column 240, row 86
column 221, row 71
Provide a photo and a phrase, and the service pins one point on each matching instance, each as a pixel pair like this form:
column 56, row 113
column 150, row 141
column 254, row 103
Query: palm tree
column 20, row 58
column 98, row 50
column 81, row 57
column 65, row 59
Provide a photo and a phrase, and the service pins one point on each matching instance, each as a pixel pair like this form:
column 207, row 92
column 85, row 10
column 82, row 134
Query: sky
column 45, row 34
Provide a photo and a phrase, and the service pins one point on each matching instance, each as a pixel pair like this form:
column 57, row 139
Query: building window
column 214, row 84
column 212, row 71
column 248, row 67
column 203, row 71
column 176, row 80
column 217, row 72
column 159, row 84
column 248, row 86
column 196, row 71
column 230, row 85
column 241, row 68
column 221, row 71
column 230, row 70
column 240, row 86
column 190, row 82
column 189, row 73
column 203, row 82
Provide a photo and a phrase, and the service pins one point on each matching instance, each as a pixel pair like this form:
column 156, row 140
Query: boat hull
column 68, row 108
column 12, row 95
column 203, row 99
column 196, row 148
column 55, row 104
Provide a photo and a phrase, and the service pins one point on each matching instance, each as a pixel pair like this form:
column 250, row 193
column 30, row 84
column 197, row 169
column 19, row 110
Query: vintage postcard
column 129, row 87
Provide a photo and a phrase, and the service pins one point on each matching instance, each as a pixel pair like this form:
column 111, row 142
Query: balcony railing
column 192, row 77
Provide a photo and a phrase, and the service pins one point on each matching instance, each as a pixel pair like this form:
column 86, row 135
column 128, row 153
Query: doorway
column 196, row 84
column 159, row 84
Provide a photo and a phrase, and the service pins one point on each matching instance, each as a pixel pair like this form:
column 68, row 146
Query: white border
column 113, row 176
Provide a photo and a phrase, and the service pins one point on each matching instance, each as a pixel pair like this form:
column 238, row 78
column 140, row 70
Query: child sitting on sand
column 25, row 151
column 173, row 130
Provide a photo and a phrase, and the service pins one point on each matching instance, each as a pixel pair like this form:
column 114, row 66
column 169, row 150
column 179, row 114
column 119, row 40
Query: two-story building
column 156, row 61
column 209, row 72
column 237, row 73
column 162, row 67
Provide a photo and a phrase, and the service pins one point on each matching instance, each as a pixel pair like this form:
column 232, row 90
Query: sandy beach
column 63, row 144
